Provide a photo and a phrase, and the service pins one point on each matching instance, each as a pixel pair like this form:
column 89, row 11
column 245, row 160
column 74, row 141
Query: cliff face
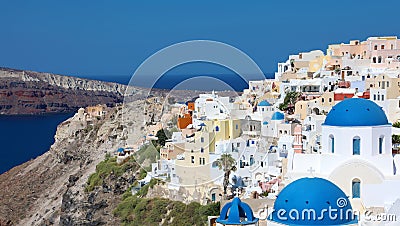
column 51, row 188
column 27, row 92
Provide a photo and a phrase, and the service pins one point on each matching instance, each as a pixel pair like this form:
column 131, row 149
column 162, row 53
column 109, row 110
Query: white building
column 356, row 155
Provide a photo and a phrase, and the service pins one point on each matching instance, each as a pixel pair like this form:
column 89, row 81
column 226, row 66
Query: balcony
column 252, row 133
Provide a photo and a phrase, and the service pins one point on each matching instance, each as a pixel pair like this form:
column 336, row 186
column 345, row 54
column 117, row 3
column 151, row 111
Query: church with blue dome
column 237, row 213
column 312, row 201
column 356, row 112
column 355, row 155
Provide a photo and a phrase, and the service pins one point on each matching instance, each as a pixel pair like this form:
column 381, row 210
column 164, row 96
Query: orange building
column 186, row 119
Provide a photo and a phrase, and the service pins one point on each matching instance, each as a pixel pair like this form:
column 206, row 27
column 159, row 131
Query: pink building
column 378, row 50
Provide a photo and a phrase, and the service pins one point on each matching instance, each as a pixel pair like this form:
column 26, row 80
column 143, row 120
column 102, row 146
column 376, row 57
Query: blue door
column 356, row 189
column 356, row 146
column 380, row 145
column 213, row 197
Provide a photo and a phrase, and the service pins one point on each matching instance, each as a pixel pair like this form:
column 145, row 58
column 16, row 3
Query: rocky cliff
column 27, row 92
column 50, row 190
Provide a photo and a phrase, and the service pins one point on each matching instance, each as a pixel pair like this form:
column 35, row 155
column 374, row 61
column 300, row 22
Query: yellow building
column 224, row 129
column 390, row 84
column 317, row 106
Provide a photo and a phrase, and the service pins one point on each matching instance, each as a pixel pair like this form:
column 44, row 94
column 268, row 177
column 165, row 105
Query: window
column 202, row 150
column 374, row 96
column 387, row 84
column 355, row 188
column 322, row 100
column 330, row 100
column 202, row 139
column 217, row 128
column 251, row 160
column 284, row 147
column 356, row 145
column 374, row 60
column 215, row 164
column 192, row 159
column 379, row 59
column 391, row 46
column 237, row 126
column 382, row 46
column 381, row 144
column 213, row 197
column 376, row 47
column 332, row 143
column 383, row 97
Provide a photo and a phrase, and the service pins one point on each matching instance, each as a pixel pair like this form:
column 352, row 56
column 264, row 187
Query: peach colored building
column 298, row 139
column 96, row 111
column 378, row 50
column 172, row 150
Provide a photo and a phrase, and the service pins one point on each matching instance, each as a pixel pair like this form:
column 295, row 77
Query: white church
column 356, row 155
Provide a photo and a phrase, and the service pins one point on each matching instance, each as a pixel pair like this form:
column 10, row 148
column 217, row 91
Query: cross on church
column 311, row 171
column 236, row 192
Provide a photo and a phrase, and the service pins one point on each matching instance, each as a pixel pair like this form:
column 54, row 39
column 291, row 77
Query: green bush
column 135, row 210
column 109, row 167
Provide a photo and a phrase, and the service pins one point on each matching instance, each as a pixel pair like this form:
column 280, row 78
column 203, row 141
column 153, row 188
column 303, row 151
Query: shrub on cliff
column 134, row 210
column 106, row 168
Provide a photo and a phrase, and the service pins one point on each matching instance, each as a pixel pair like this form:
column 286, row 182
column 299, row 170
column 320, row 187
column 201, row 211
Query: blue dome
column 278, row 116
column 265, row 123
column 312, row 201
column 356, row 112
column 264, row 103
column 238, row 211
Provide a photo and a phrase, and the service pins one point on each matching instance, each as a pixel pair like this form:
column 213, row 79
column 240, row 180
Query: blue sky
column 114, row 37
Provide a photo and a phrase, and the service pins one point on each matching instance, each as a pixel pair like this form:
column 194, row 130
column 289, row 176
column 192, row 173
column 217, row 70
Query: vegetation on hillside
column 134, row 210
column 109, row 167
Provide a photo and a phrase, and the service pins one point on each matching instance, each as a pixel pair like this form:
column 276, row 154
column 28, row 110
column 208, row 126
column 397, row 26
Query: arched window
column 332, row 143
column 215, row 164
column 376, row 47
column 374, row 60
column 251, row 160
column 355, row 188
column 217, row 128
column 379, row 59
column 381, row 139
column 356, row 145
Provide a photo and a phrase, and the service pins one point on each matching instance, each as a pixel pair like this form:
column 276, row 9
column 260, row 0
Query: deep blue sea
column 206, row 82
column 25, row 137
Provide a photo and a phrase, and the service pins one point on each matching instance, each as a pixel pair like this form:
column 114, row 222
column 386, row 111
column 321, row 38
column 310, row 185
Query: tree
column 228, row 164
column 396, row 124
column 162, row 137
column 290, row 100
column 396, row 139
